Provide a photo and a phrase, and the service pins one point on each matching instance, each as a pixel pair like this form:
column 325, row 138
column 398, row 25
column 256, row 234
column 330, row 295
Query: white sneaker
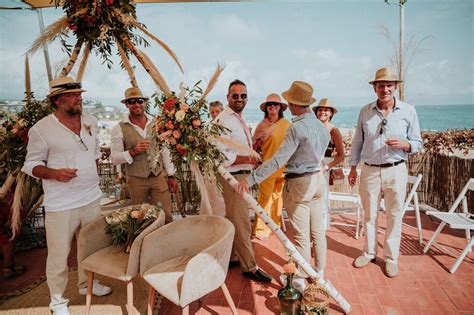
column 298, row 283
column 98, row 289
column 62, row 311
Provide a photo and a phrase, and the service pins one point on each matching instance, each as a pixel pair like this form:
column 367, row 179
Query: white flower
column 180, row 114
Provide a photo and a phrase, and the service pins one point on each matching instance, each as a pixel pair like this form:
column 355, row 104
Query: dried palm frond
column 126, row 64
column 16, row 206
column 49, row 34
column 155, row 74
column 239, row 148
column 159, row 41
column 82, row 66
column 201, row 185
column 72, row 58
column 7, row 185
column 27, row 78
column 213, row 81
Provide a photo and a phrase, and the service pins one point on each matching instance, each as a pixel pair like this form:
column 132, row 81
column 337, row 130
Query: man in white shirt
column 63, row 149
column 237, row 209
column 149, row 170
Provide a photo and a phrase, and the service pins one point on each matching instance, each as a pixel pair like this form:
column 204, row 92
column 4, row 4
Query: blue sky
column 334, row 45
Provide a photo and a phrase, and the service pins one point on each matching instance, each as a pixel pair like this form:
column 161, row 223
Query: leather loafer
column 259, row 275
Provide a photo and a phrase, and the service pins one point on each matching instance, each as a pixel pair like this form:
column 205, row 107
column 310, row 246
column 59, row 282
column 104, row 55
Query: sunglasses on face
column 242, row 96
column 383, row 125
column 273, row 104
column 69, row 86
column 139, row 101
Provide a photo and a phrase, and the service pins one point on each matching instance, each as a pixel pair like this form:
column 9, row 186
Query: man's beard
column 74, row 112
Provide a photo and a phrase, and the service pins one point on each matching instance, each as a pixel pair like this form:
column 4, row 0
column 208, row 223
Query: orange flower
column 169, row 124
column 289, row 267
column 177, row 134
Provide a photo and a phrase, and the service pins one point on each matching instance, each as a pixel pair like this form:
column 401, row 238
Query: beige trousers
column 237, row 211
column 392, row 182
column 60, row 229
column 303, row 198
column 151, row 190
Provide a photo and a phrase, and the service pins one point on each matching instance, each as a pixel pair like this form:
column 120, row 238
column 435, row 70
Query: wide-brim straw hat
column 273, row 98
column 300, row 93
column 133, row 92
column 385, row 74
column 64, row 85
column 326, row 103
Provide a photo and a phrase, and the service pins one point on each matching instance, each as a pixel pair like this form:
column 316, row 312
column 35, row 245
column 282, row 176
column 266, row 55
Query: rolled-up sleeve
column 414, row 134
column 118, row 155
column 37, row 152
column 357, row 142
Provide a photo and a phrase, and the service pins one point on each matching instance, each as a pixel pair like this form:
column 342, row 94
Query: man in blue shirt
column 387, row 131
column 302, row 151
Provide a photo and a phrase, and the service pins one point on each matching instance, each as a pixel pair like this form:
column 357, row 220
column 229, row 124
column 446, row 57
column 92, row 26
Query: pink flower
column 181, row 149
column 135, row 214
column 109, row 2
column 177, row 134
column 169, row 124
column 196, row 122
column 172, row 141
column 184, row 106
column 171, row 112
column 15, row 130
column 289, row 267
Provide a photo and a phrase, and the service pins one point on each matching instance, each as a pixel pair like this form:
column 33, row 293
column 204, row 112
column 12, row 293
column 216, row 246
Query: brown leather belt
column 295, row 175
column 386, row 164
column 240, row 172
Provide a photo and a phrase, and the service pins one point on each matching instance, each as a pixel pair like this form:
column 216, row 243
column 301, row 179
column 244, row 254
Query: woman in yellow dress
column 268, row 137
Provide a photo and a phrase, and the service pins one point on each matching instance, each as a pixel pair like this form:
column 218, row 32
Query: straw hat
column 385, row 74
column 324, row 102
column 300, row 93
column 64, row 85
column 133, row 92
column 273, row 98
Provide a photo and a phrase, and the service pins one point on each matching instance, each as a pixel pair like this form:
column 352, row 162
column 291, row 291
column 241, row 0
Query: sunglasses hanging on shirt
column 383, row 125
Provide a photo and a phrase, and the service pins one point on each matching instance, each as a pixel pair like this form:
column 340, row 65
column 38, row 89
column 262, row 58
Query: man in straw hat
column 149, row 170
column 63, row 150
column 238, row 164
column 387, row 131
column 302, row 151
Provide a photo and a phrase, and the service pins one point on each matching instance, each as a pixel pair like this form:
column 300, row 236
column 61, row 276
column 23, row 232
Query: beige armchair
column 98, row 255
column 188, row 259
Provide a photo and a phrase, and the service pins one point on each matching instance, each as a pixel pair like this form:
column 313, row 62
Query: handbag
column 336, row 176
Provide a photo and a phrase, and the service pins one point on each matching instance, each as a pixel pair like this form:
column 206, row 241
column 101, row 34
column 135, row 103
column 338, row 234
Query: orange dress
column 271, row 189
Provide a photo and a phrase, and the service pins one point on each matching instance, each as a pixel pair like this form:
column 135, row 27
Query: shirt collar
column 396, row 106
column 300, row 117
column 126, row 119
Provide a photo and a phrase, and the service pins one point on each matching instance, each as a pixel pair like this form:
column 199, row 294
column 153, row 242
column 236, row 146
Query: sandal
column 13, row 270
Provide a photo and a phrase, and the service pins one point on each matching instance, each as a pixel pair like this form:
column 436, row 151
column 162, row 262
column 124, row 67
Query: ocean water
column 431, row 117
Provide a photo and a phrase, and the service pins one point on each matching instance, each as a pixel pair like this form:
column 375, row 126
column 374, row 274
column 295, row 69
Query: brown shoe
column 391, row 269
column 362, row 261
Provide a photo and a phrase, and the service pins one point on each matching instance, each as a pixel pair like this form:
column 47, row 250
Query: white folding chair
column 456, row 220
column 356, row 207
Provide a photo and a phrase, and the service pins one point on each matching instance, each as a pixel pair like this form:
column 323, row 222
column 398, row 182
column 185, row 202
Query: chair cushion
column 167, row 277
column 110, row 261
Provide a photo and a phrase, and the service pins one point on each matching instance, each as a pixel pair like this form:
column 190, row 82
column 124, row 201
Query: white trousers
column 60, row 229
column 392, row 182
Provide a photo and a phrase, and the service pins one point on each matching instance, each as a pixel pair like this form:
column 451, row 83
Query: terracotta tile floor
column 424, row 284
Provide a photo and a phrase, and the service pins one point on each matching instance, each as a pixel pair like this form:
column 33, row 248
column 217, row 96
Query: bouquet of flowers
column 126, row 224
column 180, row 127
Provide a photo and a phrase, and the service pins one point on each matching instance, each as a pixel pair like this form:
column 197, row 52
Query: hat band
column 68, row 86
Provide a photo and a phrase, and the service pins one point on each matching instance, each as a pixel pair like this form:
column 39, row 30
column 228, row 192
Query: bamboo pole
column 346, row 307
column 72, row 59
column 126, row 64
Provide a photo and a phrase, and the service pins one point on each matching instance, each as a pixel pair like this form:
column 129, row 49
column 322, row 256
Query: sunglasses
column 242, row 96
column 273, row 104
column 383, row 125
column 79, row 140
column 132, row 101
column 69, row 86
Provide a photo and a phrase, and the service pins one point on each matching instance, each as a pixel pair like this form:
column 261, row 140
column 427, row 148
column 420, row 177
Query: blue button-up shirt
column 302, row 149
column 368, row 144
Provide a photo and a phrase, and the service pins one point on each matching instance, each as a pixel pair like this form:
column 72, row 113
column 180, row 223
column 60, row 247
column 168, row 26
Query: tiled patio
column 424, row 284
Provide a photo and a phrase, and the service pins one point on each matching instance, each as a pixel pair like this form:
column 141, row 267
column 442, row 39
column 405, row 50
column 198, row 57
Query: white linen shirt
column 118, row 154
column 55, row 146
column 230, row 120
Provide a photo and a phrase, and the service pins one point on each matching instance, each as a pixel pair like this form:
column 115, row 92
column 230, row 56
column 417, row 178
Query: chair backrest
column 185, row 237
column 134, row 256
column 414, row 181
column 462, row 196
